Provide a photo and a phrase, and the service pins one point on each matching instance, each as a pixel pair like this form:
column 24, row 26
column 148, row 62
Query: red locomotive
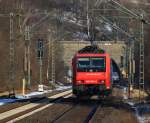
column 91, row 72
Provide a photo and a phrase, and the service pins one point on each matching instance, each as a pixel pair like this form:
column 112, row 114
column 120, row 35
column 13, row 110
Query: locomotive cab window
column 91, row 64
column 98, row 62
column 83, row 62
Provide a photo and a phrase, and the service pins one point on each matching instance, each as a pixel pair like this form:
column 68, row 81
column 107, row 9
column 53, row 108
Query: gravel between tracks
column 113, row 115
column 50, row 114
column 77, row 115
column 68, row 110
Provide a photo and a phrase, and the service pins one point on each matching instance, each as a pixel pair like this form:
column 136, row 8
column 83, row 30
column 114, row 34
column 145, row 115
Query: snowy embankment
column 31, row 95
column 143, row 113
column 7, row 100
column 142, row 110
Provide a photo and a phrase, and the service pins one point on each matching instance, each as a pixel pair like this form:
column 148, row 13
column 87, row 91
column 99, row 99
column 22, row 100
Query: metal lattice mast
column 41, row 68
column 48, row 64
column 141, row 79
column 27, row 55
column 131, row 67
column 132, row 63
column 19, row 15
column 29, row 61
column 88, row 20
column 141, row 62
column 53, row 61
column 12, row 51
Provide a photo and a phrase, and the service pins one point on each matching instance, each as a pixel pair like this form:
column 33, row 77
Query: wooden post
column 23, row 86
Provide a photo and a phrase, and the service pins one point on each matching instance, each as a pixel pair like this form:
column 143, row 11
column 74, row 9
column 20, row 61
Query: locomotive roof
column 91, row 49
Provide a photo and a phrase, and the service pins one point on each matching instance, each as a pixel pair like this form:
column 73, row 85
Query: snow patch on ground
column 35, row 94
column 41, row 94
column 7, row 100
column 140, row 109
column 131, row 103
column 1, row 103
column 32, row 95
column 80, row 35
column 124, row 89
column 59, row 88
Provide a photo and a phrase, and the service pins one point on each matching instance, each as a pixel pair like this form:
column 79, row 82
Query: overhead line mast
column 141, row 77
column 12, row 53
column 142, row 22
column 139, row 17
column 88, row 20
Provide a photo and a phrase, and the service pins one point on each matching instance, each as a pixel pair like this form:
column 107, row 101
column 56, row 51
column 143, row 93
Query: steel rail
column 21, row 109
column 35, row 111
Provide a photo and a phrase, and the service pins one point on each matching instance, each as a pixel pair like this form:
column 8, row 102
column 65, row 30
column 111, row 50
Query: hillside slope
column 57, row 20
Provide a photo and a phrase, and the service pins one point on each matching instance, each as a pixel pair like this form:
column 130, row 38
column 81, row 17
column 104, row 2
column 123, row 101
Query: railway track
column 20, row 103
column 29, row 109
column 65, row 108
column 83, row 111
column 69, row 109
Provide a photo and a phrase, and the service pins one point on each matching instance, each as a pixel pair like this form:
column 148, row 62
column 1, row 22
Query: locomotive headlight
column 80, row 81
column 108, row 87
column 102, row 81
